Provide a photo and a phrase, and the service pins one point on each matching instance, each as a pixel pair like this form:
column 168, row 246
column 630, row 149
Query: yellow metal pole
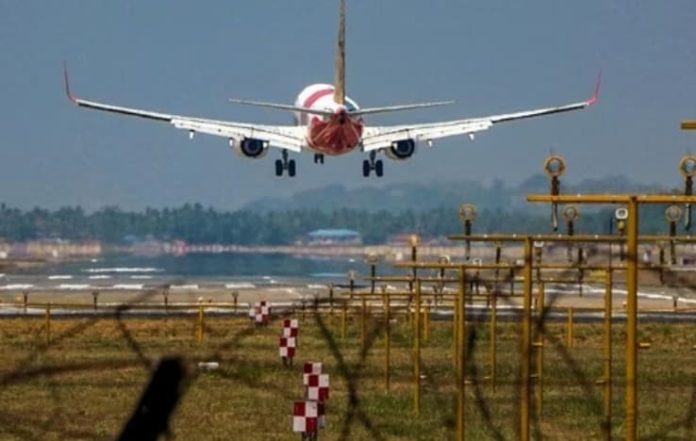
column 363, row 324
column 461, row 355
column 48, row 323
column 387, row 339
column 199, row 328
column 494, row 338
column 455, row 332
column 569, row 328
column 632, row 318
column 426, row 321
column 344, row 316
column 416, row 351
column 409, row 311
column 688, row 125
column 525, row 365
column 540, row 352
column 607, row 354
column 331, row 304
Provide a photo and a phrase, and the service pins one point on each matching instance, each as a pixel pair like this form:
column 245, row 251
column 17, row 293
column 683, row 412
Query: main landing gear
column 285, row 164
column 372, row 164
column 318, row 158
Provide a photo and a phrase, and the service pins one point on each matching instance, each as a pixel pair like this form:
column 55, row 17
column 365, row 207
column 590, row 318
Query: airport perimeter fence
column 394, row 356
column 477, row 349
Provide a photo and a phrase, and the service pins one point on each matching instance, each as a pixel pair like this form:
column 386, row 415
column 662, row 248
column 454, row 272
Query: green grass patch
column 86, row 382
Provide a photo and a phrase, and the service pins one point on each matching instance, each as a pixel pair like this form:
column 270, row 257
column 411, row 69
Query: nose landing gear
column 372, row 164
column 285, row 164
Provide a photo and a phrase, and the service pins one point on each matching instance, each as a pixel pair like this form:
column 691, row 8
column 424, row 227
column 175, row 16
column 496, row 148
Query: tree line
column 194, row 223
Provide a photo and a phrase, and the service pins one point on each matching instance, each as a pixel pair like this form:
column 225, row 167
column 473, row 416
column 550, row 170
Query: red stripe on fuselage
column 313, row 98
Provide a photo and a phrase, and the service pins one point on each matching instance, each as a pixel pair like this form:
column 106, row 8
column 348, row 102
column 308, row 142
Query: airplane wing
column 377, row 138
column 283, row 137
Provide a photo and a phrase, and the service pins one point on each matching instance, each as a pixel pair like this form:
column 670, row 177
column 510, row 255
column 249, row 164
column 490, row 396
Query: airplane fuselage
column 329, row 135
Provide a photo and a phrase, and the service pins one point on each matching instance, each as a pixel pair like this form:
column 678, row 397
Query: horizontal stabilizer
column 387, row 109
column 277, row 106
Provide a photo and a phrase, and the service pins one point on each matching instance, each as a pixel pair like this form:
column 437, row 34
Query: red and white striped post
column 309, row 368
column 260, row 313
column 291, row 328
column 318, row 387
column 286, row 350
column 305, row 419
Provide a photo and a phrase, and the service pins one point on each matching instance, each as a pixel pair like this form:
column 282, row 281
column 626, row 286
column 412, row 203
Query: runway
column 656, row 304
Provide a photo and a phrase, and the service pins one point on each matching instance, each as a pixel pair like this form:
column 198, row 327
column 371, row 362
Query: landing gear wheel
column 318, row 158
column 285, row 164
column 372, row 164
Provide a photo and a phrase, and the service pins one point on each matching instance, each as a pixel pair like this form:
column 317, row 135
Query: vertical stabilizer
column 340, row 68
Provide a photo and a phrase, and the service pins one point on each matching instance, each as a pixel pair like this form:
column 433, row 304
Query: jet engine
column 401, row 150
column 251, row 147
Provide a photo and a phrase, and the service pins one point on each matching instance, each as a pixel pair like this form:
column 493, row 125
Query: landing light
column 554, row 166
column 673, row 213
column 570, row 213
column 687, row 166
column 621, row 213
column 467, row 212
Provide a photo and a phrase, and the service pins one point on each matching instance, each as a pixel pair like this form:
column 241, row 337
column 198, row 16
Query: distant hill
column 437, row 194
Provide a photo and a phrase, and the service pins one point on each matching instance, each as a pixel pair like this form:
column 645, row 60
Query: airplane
column 329, row 123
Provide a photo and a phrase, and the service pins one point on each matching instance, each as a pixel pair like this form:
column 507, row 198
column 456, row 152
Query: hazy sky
column 187, row 57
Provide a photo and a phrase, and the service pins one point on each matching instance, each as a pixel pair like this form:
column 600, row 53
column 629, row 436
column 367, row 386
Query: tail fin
column 340, row 68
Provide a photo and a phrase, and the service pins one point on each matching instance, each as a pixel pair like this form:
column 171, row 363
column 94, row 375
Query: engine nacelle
column 401, row 150
column 251, row 148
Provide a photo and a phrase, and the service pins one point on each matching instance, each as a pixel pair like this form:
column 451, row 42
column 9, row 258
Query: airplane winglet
column 67, row 84
column 595, row 95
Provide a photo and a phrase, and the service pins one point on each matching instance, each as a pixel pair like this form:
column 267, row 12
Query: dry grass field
column 86, row 382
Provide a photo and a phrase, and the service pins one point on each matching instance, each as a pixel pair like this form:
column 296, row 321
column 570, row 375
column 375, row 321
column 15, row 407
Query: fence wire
column 242, row 369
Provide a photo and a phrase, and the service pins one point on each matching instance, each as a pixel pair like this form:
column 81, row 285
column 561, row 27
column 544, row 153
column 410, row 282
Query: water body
column 229, row 269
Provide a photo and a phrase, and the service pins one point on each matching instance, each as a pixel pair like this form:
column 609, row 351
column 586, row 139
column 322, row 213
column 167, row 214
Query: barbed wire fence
column 171, row 377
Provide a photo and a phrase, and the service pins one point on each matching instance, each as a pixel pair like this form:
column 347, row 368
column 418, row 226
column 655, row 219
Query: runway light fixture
column 621, row 215
column 673, row 214
column 570, row 214
column 351, row 282
column 372, row 259
column 498, row 256
column 687, row 168
column 414, row 240
column 440, row 286
column 467, row 214
column 554, row 166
